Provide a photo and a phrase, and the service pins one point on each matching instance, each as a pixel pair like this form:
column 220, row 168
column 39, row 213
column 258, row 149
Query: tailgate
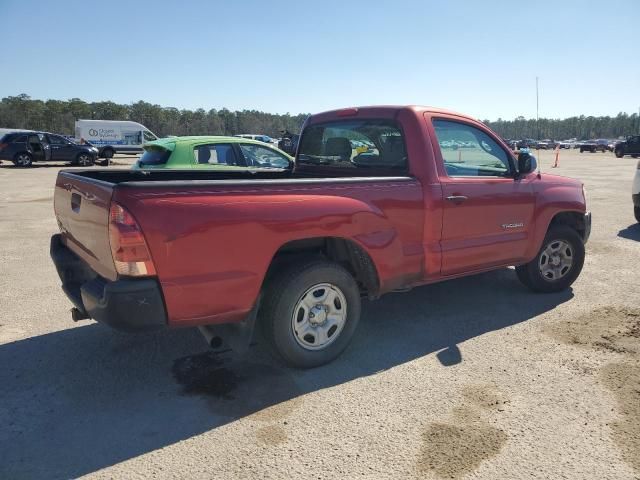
column 82, row 210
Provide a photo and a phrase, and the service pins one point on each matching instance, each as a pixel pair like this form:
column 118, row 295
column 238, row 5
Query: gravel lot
column 471, row 378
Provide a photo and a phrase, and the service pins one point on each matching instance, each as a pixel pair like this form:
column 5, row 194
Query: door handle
column 457, row 198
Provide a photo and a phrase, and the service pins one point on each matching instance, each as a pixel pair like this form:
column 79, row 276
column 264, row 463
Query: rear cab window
column 467, row 151
column 367, row 147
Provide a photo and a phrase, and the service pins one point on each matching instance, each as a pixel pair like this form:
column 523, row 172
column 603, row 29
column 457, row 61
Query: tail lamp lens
column 128, row 247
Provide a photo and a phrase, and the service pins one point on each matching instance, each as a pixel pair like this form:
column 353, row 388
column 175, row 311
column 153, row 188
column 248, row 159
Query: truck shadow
column 85, row 398
column 632, row 232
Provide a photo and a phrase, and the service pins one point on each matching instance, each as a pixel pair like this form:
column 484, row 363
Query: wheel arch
column 343, row 251
column 572, row 219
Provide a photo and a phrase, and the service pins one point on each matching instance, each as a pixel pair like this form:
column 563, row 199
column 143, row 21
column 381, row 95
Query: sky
column 476, row 57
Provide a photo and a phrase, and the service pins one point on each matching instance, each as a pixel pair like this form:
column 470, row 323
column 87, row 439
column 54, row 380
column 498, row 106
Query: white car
column 635, row 193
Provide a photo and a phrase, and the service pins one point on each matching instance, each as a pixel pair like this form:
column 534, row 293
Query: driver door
column 61, row 148
column 487, row 213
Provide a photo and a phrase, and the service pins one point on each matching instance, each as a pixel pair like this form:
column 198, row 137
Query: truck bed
column 217, row 232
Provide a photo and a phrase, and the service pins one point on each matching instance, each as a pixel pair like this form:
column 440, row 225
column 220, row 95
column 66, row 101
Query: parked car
column 289, row 142
column 261, row 138
column 294, row 251
column 24, row 148
column 211, row 152
column 594, row 146
column 631, row 146
column 565, row 144
column 114, row 136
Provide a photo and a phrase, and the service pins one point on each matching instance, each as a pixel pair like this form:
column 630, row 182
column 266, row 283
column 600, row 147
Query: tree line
column 582, row 127
column 59, row 116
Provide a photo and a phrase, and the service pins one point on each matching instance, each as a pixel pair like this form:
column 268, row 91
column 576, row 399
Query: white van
column 114, row 136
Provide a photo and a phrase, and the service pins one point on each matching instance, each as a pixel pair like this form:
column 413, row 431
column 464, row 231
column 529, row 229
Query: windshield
column 263, row 157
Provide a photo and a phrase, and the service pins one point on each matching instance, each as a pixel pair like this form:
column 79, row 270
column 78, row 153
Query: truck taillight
column 128, row 247
column 3, row 146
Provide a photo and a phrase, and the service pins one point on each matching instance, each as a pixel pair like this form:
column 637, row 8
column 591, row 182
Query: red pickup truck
column 378, row 199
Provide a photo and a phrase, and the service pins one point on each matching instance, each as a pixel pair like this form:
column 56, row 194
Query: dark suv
column 631, row 146
column 593, row 146
column 24, row 148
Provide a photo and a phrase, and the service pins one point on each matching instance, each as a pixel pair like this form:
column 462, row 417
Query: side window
column 148, row 136
column 257, row 156
column 469, row 152
column 56, row 140
column 215, row 154
column 20, row 139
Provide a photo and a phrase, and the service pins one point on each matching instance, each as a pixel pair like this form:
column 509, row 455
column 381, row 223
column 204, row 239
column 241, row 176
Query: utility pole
column 537, row 111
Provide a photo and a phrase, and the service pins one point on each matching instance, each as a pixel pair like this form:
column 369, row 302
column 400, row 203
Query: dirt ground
column 471, row 378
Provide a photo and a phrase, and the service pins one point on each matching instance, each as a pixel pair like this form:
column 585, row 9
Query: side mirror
column 526, row 163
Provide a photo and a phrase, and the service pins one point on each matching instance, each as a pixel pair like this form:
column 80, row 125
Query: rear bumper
column 131, row 305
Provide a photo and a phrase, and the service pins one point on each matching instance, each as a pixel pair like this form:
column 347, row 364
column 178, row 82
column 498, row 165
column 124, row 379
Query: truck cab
column 631, row 146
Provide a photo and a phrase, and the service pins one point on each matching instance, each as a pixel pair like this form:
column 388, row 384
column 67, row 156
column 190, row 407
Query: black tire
column 582, row 150
column 84, row 159
column 283, row 295
column 636, row 213
column 107, row 153
column 619, row 153
column 530, row 274
column 23, row 160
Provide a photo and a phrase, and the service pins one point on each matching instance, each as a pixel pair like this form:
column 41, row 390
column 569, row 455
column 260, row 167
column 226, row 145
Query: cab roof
column 387, row 110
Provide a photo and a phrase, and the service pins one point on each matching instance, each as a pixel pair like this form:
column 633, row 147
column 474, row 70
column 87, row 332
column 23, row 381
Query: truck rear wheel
column 619, row 153
column 557, row 264
column 107, row 153
column 310, row 313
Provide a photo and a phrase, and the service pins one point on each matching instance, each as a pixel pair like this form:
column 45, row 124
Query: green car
column 211, row 153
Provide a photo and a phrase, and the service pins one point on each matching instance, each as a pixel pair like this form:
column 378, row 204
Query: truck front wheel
column 310, row 313
column 557, row 264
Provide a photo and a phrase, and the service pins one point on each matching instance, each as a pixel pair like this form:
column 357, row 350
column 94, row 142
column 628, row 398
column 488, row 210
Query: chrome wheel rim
column 83, row 160
column 23, row 160
column 319, row 316
column 556, row 260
